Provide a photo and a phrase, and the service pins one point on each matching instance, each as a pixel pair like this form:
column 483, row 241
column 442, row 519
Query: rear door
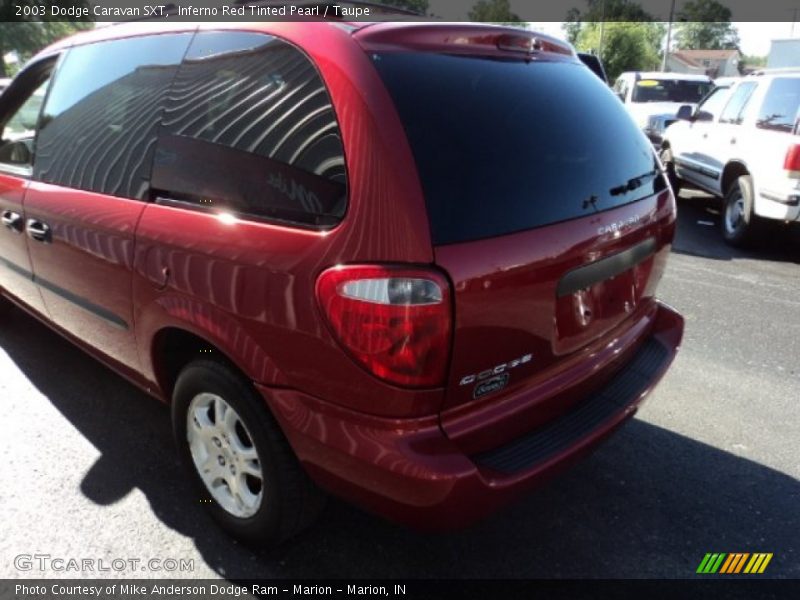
column 94, row 155
column 690, row 141
column 724, row 143
column 19, row 114
column 547, row 209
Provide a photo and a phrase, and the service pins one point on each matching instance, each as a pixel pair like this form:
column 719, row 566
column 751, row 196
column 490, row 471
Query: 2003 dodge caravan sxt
column 413, row 265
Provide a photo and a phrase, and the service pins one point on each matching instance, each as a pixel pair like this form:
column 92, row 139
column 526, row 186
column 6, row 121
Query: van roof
column 425, row 35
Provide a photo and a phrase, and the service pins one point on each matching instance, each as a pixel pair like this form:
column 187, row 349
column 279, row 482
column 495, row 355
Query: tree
column 602, row 10
column 748, row 63
column 26, row 37
column 706, row 25
column 417, row 6
column 631, row 40
column 627, row 46
column 494, row 11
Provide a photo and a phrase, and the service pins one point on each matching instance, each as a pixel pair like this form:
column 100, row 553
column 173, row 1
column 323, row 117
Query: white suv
column 742, row 144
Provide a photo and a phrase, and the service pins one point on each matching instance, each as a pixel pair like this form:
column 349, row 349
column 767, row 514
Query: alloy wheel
column 224, row 455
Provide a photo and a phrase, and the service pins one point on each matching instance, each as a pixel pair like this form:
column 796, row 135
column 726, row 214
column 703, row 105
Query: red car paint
column 247, row 290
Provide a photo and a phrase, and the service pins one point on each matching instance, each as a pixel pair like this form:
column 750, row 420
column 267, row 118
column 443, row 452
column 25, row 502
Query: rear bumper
column 779, row 202
column 409, row 471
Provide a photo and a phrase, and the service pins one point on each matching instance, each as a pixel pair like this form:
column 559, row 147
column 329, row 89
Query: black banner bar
column 734, row 588
column 784, row 11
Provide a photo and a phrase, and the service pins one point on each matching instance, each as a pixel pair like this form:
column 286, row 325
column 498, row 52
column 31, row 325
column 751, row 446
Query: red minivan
column 413, row 265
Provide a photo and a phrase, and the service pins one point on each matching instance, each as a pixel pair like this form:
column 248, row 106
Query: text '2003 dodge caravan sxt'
column 413, row 265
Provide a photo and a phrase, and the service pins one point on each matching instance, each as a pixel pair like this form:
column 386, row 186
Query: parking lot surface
column 710, row 464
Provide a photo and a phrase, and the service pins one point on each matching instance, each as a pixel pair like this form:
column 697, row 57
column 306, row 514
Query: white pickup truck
column 653, row 98
column 742, row 144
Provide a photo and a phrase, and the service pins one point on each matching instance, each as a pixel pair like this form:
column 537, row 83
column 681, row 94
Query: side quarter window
column 249, row 128
column 780, row 110
column 99, row 124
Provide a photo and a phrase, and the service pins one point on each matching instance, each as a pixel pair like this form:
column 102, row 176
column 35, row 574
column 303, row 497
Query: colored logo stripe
column 711, row 563
column 758, row 563
column 733, row 563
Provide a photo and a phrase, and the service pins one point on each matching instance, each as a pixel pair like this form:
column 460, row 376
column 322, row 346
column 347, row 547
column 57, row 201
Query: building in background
column 714, row 63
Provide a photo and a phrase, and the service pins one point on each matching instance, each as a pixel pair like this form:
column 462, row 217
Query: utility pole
column 669, row 37
column 602, row 30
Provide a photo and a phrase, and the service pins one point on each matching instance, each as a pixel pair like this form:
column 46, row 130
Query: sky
column 754, row 37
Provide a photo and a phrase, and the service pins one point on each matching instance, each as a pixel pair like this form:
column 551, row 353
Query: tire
column 248, row 440
column 669, row 165
column 740, row 225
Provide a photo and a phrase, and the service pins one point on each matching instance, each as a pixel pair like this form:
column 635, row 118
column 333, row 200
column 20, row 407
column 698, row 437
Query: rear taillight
column 394, row 321
column 792, row 161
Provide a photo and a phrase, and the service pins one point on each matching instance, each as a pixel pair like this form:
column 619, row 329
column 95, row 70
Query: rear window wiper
column 633, row 183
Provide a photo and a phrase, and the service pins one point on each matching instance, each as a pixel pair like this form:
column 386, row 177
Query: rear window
column 781, row 105
column 670, row 90
column 507, row 145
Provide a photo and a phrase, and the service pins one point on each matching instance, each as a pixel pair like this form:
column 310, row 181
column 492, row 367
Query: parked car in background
column 4, row 83
column 595, row 64
column 651, row 98
column 657, row 124
column 725, row 81
column 365, row 257
column 741, row 144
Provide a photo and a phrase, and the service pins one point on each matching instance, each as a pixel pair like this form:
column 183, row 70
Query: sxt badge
column 495, row 384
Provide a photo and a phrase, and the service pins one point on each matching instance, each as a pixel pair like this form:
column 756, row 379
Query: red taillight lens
column 396, row 322
column 792, row 160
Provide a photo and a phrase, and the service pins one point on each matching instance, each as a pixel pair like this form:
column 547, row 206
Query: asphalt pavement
column 710, row 464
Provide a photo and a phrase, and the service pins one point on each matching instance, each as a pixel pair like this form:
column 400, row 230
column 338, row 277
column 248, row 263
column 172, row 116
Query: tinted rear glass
column 503, row 146
column 670, row 90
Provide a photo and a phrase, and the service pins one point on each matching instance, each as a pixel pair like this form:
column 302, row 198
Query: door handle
column 705, row 135
column 39, row 231
column 733, row 140
column 12, row 220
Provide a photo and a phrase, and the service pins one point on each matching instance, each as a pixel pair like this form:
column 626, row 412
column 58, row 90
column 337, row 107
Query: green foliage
column 494, row 11
column 28, row 36
column 706, row 26
column 704, row 10
column 417, row 6
column 572, row 25
column 631, row 41
column 697, row 35
column 610, row 10
column 627, row 46
column 752, row 62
